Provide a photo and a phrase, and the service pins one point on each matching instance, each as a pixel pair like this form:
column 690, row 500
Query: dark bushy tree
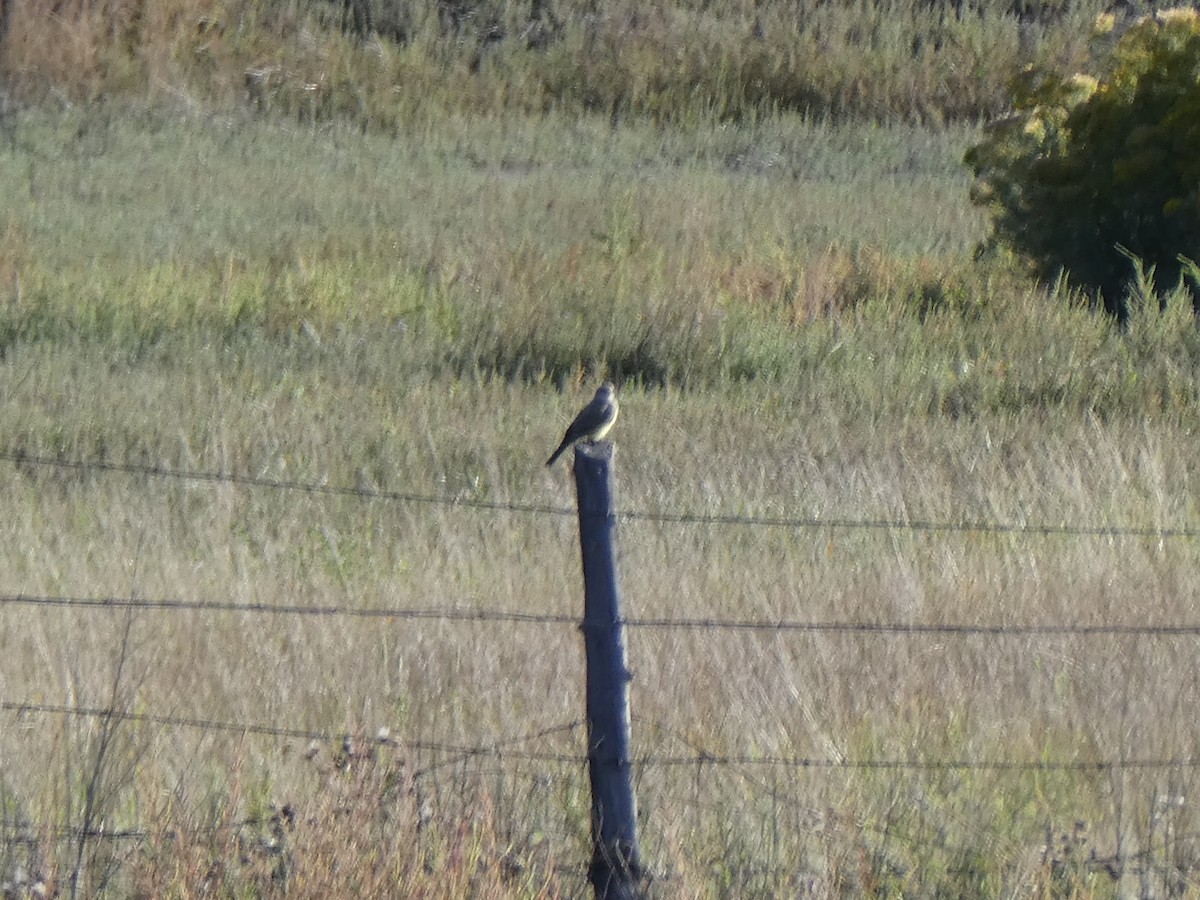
column 1091, row 171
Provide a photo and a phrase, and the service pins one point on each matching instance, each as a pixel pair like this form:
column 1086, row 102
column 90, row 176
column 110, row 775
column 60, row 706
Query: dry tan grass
column 819, row 696
column 227, row 332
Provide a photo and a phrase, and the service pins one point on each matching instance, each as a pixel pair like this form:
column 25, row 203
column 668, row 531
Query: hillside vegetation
column 289, row 320
column 912, row 60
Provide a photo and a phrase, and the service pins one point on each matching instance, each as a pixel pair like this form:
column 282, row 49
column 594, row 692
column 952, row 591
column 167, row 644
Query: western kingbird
column 593, row 421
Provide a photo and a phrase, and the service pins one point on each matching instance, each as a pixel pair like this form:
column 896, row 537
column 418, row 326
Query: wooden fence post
column 616, row 870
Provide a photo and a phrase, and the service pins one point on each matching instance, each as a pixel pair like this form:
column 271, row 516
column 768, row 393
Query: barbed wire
column 506, row 748
column 917, row 525
column 515, row 748
column 927, row 765
column 497, row 748
column 286, row 609
column 466, row 614
column 1033, row 529
column 258, row 481
column 509, row 752
column 209, row 725
column 917, row 628
column 31, row 833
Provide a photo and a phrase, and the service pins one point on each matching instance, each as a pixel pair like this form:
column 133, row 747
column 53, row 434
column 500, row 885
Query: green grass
column 799, row 330
column 492, row 252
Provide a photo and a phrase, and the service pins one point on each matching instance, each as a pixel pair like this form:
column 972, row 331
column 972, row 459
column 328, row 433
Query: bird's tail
column 557, row 453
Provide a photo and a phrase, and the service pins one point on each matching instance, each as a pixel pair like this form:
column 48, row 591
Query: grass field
column 800, row 332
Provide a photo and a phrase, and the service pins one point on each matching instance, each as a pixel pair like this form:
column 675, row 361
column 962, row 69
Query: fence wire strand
column 1033, row 529
column 508, row 748
column 468, row 614
column 495, row 748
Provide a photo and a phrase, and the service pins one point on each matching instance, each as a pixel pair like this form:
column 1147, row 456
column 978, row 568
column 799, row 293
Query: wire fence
column 268, row 831
column 510, row 747
column 530, row 746
column 1032, row 529
column 37, row 833
column 468, row 614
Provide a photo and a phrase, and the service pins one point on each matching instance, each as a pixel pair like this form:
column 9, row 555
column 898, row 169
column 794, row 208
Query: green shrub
column 1090, row 172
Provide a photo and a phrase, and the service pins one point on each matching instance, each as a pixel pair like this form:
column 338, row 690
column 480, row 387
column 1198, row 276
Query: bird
column 593, row 421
